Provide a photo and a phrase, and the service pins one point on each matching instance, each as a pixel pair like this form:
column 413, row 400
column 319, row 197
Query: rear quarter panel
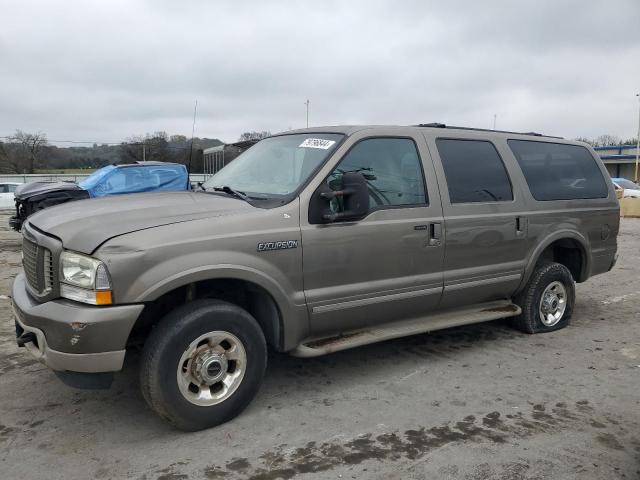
column 592, row 222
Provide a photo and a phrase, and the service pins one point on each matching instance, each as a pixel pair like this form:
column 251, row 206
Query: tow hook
column 25, row 338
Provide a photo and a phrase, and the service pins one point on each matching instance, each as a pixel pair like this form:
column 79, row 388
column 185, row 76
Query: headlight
column 84, row 279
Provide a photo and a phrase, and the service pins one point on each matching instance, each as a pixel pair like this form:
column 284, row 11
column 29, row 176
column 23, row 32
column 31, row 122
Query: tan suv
column 310, row 242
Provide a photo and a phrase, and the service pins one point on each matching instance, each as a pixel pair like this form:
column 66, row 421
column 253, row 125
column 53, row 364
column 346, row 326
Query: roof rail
column 442, row 125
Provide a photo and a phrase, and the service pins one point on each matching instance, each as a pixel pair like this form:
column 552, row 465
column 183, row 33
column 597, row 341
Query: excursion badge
column 280, row 245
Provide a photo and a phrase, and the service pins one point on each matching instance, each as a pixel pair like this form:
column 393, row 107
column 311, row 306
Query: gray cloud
column 105, row 70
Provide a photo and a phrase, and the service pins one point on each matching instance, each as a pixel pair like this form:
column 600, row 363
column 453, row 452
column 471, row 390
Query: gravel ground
column 476, row 402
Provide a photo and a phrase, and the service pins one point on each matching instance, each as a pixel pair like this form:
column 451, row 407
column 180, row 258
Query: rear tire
column 202, row 364
column 547, row 300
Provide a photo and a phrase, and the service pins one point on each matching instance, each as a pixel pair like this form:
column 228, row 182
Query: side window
column 11, row 188
column 555, row 171
column 4, row 188
column 392, row 169
column 474, row 171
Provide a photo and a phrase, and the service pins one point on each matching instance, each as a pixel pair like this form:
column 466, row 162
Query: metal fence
column 213, row 159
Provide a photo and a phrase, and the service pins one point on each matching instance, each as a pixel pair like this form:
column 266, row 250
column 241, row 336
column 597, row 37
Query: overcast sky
column 102, row 71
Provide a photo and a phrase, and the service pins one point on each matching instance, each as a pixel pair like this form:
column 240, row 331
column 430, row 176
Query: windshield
column 93, row 179
column 628, row 184
column 276, row 166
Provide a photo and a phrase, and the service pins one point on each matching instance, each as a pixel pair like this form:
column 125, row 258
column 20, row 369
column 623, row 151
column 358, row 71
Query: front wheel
column 547, row 300
column 202, row 364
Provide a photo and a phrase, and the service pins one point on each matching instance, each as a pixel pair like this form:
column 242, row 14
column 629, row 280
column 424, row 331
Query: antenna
column 307, row 104
column 193, row 129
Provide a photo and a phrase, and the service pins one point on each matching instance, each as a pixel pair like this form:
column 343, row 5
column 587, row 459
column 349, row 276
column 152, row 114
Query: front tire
column 202, row 364
column 547, row 300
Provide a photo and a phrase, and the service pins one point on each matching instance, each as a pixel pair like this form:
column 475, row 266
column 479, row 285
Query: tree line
column 607, row 141
column 25, row 152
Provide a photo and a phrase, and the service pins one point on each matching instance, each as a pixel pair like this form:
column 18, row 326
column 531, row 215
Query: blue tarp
column 116, row 180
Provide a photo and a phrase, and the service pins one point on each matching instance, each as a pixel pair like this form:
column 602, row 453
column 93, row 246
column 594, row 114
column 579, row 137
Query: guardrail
column 59, row 177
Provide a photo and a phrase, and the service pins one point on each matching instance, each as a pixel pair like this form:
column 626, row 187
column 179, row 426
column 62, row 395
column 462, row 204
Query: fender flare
column 548, row 240
column 212, row 272
column 288, row 312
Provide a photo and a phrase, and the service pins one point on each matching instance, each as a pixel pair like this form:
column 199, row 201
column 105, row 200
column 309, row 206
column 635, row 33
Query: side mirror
column 355, row 194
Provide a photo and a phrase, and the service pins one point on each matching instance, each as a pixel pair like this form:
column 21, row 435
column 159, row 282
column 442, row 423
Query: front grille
column 38, row 266
column 47, row 269
column 30, row 263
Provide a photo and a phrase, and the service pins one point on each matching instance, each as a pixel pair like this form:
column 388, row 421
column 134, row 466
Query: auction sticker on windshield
column 317, row 143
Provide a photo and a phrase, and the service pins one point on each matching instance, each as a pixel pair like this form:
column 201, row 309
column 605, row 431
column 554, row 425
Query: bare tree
column 6, row 162
column 607, row 140
column 254, row 135
column 31, row 145
column 586, row 140
column 154, row 145
column 158, row 147
column 131, row 149
column 178, row 139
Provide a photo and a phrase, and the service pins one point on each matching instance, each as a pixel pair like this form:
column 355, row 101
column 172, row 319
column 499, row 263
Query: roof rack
column 442, row 125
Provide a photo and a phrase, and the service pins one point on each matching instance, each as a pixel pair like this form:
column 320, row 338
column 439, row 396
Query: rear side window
column 555, row 171
column 474, row 170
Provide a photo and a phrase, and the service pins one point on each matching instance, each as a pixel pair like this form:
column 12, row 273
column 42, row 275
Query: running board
column 315, row 347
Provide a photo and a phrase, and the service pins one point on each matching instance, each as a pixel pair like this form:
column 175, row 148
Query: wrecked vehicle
column 311, row 242
column 7, row 190
column 110, row 180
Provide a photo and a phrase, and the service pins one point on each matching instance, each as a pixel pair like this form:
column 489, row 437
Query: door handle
column 435, row 234
column 521, row 226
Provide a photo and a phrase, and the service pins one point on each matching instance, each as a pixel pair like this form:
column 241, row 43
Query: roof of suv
column 351, row 129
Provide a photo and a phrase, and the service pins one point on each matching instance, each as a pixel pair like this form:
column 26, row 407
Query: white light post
column 638, row 139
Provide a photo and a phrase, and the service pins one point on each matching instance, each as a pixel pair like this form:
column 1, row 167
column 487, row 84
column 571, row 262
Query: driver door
column 387, row 266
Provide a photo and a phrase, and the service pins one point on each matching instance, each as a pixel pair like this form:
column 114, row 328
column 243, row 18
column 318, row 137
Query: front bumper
column 71, row 336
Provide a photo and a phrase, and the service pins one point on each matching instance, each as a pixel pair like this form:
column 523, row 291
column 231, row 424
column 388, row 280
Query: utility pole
column 193, row 131
column 143, row 154
column 638, row 139
column 307, row 104
column 494, row 120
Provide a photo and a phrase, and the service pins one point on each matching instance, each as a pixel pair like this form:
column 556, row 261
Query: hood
column 86, row 224
column 631, row 192
column 28, row 190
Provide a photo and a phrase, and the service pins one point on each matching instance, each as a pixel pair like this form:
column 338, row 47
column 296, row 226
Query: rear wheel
column 547, row 300
column 202, row 364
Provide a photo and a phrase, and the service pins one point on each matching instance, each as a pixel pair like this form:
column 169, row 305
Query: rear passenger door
column 486, row 231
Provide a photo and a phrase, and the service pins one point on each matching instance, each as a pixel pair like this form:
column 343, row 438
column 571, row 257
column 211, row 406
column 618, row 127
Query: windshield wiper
column 230, row 191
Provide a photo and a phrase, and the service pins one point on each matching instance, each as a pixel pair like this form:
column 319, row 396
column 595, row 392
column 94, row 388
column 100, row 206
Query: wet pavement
column 475, row 402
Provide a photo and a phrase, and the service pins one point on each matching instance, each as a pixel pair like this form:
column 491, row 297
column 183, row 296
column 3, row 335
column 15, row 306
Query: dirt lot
column 477, row 402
